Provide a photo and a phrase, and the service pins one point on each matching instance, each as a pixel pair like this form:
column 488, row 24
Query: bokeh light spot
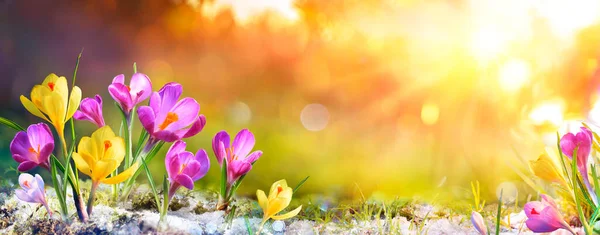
column 314, row 117
column 509, row 192
column 240, row 113
column 548, row 112
column 514, row 74
column 430, row 114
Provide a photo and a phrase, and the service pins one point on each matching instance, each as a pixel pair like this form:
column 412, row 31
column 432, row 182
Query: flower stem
column 90, row 204
column 260, row 228
column 77, row 199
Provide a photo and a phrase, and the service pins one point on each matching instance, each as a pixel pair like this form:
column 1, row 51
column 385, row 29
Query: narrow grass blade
column 248, row 225
column 224, row 180
column 499, row 215
column 11, row 124
column 300, row 184
column 152, row 185
column 586, row 226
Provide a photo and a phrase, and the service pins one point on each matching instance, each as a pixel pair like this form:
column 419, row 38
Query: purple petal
column 155, row 101
column 146, row 116
column 120, row 93
column 44, row 156
column 202, row 158
column 23, row 196
column 176, row 148
column 141, row 87
column 169, row 94
column 185, row 181
column 539, row 226
column 80, row 116
column 478, row 223
column 26, row 166
column 243, row 143
column 187, row 112
column 40, row 182
column 192, row 169
column 119, row 79
column 25, row 177
column 253, row 156
column 236, row 169
column 20, row 146
column 166, row 136
column 219, row 143
column 39, row 135
column 196, row 127
column 173, row 165
column 91, row 109
column 567, row 144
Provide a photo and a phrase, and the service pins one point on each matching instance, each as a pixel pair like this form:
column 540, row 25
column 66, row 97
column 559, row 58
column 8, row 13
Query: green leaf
column 11, row 124
column 224, row 180
column 59, row 193
column 499, row 215
column 300, row 184
column 248, row 226
column 165, row 205
column 582, row 218
column 152, row 185
column 134, row 67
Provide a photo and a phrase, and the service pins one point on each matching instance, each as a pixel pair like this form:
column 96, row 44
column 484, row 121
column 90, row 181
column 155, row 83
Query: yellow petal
column 276, row 205
column 74, row 101
column 98, row 138
column 38, row 93
column 51, row 78
column 103, row 168
column 121, row 177
column 262, row 199
column 81, row 164
column 55, row 109
column 86, row 146
column 546, row 170
column 62, row 88
column 273, row 190
column 287, row 215
column 116, row 151
column 32, row 108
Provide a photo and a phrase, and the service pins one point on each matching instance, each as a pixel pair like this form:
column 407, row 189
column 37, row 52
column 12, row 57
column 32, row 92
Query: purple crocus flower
column 478, row 223
column 127, row 97
column 33, row 148
column 583, row 142
column 91, row 110
column 184, row 168
column 168, row 119
column 543, row 216
column 239, row 158
column 32, row 190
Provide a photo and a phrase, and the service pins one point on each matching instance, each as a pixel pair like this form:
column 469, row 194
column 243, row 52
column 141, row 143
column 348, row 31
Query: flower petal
column 262, row 199
column 185, row 181
column 243, row 143
column 26, row 166
column 219, row 143
column 253, row 156
column 32, row 108
column 202, row 158
column 141, row 87
column 287, row 215
column 187, row 112
column 122, row 176
column 19, row 147
column 81, row 164
column 23, row 196
column 74, row 101
column 146, row 116
column 121, row 95
column 196, row 127
column 103, row 168
column 119, row 79
column 25, row 177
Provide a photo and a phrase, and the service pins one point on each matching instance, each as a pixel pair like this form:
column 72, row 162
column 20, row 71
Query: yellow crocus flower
column 279, row 198
column 100, row 155
column 51, row 102
column 545, row 169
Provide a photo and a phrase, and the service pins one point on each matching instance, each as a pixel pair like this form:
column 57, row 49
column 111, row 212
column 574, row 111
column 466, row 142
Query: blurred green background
column 388, row 97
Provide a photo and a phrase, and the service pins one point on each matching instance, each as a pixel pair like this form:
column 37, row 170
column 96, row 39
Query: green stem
column 582, row 218
column 77, row 199
column 90, row 203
